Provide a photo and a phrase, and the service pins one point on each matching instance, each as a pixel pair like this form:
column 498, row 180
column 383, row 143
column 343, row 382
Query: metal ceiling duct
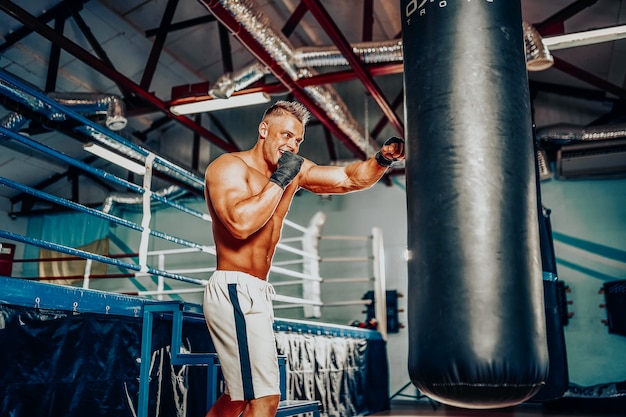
column 545, row 171
column 95, row 104
column 298, row 64
column 87, row 104
column 13, row 121
column 29, row 101
column 248, row 14
column 538, row 57
column 336, row 110
column 562, row 134
column 368, row 53
column 32, row 98
column 604, row 132
column 589, row 152
column 132, row 199
column 306, row 57
column 228, row 83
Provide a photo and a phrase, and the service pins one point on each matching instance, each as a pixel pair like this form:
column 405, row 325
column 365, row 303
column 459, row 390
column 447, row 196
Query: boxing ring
column 78, row 349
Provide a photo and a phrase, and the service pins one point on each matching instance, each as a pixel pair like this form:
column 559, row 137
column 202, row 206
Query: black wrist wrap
column 382, row 160
column 288, row 167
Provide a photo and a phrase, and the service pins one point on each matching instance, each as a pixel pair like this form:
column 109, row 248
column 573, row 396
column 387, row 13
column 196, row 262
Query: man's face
column 282, row 133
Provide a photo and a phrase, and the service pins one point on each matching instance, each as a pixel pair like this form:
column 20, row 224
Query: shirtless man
column 248, row 195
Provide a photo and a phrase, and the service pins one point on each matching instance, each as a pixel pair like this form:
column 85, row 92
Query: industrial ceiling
column 153, row 53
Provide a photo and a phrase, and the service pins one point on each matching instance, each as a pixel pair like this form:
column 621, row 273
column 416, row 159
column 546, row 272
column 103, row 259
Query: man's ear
column 263, row 130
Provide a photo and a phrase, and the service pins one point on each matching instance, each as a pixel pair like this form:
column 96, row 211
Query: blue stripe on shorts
column 242, row 342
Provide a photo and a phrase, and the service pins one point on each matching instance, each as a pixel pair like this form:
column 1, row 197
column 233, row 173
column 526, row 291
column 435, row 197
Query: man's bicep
column 226, row 186
column 323, row 179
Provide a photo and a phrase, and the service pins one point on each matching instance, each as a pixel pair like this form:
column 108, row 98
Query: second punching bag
column 476, row 318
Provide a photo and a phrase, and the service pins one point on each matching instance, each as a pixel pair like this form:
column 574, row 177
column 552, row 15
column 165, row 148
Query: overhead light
column 221, row 103
column 115, row 158
column 585, row 38
column 538, row 56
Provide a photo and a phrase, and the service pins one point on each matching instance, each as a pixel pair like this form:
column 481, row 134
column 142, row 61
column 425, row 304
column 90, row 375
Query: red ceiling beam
column 293, row 86
column 368, row 21
column 589, row 78
column 555, row 24
column 158, row 44
column 375, row 70
column 383, row 120
column 294, row 20
column 83, row 55
column 319, row 79
column 331, row 29
column 62, row 10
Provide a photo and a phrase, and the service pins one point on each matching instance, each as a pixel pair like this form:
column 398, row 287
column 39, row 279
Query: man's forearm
column 364, row 174
column 251, row 214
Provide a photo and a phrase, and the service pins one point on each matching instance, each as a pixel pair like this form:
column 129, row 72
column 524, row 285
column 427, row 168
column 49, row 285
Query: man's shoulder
column 230, row 165
column 227, row 159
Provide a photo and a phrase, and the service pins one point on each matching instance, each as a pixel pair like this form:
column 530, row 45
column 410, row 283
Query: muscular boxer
column 248, row 195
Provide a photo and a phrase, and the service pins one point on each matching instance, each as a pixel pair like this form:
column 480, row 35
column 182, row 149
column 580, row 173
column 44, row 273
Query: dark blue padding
column 57, row 297
column 100, row 372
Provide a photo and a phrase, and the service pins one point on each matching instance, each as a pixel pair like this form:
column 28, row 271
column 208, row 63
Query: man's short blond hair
column 294, row 108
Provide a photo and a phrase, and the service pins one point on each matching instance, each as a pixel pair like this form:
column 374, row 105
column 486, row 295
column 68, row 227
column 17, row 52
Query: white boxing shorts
column 239, row 314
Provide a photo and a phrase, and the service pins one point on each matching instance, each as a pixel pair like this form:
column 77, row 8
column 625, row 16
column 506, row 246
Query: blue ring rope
column 100, row 258
column 180, row 207
column 85, row 121
column 95, row 171
column 69, row 204
column 97, row 213
column 68, row 159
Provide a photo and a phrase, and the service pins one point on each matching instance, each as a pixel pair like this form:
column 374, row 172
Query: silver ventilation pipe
column 37, row 105
column 605, row 132
column 538, row 57
column 279, row 48
column 568, row 133
column 12, row 92
column 338, row 112
column 94, row 104
column 31, row 98
column 585, row 152
column 545, row 171
column 306, row 57
column 13, row 121
column 132, row 199
column 228, row 83
column 82, row 103
column 368, row 52
column 257, row 24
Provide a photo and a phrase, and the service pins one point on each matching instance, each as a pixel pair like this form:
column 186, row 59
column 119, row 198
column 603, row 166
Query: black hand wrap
column 288, row 167
column 382, row 160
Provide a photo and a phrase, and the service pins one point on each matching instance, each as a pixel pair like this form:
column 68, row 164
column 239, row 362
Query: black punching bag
column 477, row 335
